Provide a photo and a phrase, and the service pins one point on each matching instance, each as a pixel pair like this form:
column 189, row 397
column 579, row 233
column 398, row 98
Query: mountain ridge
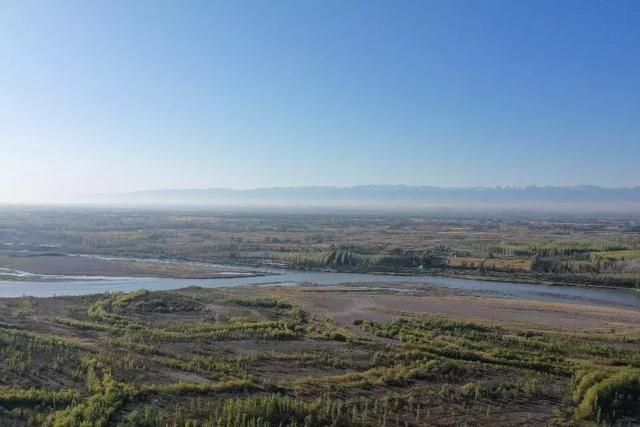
column 372, row 195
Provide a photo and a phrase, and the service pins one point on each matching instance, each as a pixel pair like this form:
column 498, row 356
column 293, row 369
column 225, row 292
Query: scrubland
column 602, row 250
column 315, row 356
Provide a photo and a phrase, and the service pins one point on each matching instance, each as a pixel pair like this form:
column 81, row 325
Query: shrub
column 611, row 397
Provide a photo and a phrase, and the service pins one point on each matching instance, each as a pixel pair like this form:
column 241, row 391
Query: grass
column 114, row 359
column 608, row 395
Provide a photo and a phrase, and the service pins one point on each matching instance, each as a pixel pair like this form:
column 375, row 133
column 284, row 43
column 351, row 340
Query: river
column 621, row 298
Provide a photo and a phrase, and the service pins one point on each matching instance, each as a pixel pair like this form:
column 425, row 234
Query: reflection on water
column 566, row 294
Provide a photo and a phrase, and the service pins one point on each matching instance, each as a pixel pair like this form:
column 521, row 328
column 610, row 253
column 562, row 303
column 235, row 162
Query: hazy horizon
column 372, row 198
column 74, row 198
column 111, row 97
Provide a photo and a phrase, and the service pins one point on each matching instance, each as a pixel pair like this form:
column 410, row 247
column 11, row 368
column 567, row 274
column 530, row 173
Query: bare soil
column 346, row 304
column 92, row 266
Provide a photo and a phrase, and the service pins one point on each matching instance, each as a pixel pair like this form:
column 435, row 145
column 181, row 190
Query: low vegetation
column 567, row 249
column 197, row 357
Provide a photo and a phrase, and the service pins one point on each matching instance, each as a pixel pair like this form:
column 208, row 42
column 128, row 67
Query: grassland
column 315, row 356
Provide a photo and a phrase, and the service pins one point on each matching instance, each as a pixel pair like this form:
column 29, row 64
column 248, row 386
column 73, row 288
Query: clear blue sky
column 101, row 96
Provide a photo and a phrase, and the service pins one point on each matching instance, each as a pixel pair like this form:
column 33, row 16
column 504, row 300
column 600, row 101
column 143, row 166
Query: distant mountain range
column 393, row 197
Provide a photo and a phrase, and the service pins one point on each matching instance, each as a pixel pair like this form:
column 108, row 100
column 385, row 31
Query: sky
column 116, row 96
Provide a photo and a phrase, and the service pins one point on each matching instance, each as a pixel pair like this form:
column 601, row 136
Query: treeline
column 578, row 249
column 347, row 259
column 606, row 273
column 550, row 249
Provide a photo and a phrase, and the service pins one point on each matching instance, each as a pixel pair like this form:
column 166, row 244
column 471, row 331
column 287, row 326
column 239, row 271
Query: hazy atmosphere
column 313, row 213
column 119, row 96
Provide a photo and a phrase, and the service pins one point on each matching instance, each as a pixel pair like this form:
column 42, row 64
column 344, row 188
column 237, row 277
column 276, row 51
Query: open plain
column 401, row 352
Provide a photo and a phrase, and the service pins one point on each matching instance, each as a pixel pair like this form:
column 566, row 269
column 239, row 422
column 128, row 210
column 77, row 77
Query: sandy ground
column 90, row 266
column 346, row 304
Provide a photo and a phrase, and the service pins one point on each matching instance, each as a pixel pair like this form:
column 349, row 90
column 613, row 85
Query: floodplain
column 401, row 353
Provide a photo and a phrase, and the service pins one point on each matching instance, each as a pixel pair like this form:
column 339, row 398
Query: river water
column 620, row 298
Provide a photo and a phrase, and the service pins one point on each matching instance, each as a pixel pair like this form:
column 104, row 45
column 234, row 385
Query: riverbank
column 361, row 354
column 505, row 277
column 43, row 267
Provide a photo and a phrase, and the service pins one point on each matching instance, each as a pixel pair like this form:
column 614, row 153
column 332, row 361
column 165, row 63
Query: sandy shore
column 111, row 267
column 348, row 303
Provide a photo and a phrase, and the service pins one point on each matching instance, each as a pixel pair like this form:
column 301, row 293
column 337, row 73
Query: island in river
column 35, row 266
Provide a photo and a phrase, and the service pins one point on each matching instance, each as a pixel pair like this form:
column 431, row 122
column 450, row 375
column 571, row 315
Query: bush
column 612, row 397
